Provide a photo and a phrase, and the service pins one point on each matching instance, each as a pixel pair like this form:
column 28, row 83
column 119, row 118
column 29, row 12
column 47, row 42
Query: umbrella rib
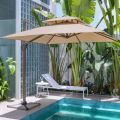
column 105, row 35
column 50, row 39
column 77, row 38
column 34, row 39
column 71, row 35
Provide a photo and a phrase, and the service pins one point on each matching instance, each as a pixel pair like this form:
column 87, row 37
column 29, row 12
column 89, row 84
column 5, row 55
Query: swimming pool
column 77, row 109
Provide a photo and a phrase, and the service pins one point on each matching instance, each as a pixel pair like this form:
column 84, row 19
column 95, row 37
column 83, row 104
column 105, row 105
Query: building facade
column 7, row 26
column 37, row 54
column 17, row 17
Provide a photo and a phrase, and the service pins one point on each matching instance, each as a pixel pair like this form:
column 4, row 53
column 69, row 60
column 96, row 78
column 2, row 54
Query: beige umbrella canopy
column 63, row 30
column 59, row 30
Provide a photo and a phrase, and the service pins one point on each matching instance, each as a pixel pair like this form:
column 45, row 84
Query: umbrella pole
column 24, row 48
column 27, row 106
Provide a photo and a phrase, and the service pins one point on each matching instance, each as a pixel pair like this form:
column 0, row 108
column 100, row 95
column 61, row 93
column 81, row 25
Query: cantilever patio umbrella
column 59, row 30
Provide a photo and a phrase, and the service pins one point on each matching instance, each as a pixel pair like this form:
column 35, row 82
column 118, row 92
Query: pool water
column 77, row 109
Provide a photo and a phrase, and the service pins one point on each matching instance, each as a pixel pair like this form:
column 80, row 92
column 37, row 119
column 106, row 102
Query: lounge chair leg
column 83, row 94
column 87, row 91
column 47, row 91
column 36, row 91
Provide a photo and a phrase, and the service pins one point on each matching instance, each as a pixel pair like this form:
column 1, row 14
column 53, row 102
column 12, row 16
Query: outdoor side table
column 42, row 88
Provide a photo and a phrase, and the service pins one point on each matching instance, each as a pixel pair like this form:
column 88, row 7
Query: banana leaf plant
column 112, row 21
column 116, row 66
column 84, row 9
column 75, row 56
column 58, row 57
column 105, row 53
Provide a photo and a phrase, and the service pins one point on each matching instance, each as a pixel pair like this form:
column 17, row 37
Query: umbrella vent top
column 64, row 20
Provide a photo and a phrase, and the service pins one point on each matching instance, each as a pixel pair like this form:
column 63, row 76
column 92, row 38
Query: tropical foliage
column 110, row 11
column 5, row 77
column 103, row 50
column 11, row 65
column 75, row 63
column 3, row 82
column 116, row 68
column 84, row 9
column 58, row 57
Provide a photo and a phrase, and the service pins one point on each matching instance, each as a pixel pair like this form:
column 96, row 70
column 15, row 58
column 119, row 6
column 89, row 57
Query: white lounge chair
column 55, row 85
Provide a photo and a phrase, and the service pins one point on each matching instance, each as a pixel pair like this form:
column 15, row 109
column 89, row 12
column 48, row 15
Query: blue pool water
column 77, row 109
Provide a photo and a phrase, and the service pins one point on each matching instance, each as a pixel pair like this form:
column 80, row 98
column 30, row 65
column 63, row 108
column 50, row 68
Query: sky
column 98, row 16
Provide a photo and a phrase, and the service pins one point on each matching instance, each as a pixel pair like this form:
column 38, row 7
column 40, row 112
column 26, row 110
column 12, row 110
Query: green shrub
column 3, row 82
column 4, row 73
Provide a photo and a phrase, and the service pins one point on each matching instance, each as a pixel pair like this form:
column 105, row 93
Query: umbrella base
column 24, row 106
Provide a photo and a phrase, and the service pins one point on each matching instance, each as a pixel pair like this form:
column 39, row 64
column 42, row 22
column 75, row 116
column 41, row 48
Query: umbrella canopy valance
column 63, row 20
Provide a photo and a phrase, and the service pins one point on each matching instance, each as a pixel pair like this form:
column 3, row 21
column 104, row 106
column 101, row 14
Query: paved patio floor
column 14, row 114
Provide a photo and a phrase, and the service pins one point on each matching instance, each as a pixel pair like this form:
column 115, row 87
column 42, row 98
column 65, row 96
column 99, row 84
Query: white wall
column 18, row 50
